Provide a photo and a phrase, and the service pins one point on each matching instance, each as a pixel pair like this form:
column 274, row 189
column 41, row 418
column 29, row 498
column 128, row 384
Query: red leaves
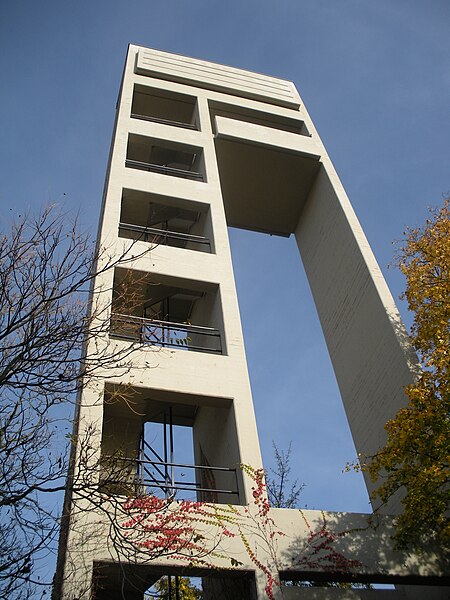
column 161, row 527
column 321, row 553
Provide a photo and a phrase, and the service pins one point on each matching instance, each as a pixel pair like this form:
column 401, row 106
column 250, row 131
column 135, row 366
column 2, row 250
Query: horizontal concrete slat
column 217, row 77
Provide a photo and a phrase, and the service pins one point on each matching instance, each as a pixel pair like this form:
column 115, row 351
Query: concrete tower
column 198, row 147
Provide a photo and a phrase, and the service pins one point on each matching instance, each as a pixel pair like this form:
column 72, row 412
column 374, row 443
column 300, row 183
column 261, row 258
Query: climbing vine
column 194, row 533
column 320, row 552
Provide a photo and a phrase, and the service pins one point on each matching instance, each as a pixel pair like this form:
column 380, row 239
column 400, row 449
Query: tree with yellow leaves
column 416, row 456
column 179, row 588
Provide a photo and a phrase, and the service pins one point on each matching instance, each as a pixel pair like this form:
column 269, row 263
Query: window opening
column 168, row 225
column 169, row 319
column 173, row 159
column 167, row 108
column 164, row 463
column 115, row 581
column 161, row 315
column 256, row 117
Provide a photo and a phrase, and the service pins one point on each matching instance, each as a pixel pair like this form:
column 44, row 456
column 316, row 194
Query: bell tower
column 198, row 147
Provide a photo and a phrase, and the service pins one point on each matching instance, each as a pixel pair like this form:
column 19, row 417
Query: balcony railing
column 164, row 476
column 163, row 236
column 164, row 121
column 163, row 169
column 166, row 333
column 148, row 476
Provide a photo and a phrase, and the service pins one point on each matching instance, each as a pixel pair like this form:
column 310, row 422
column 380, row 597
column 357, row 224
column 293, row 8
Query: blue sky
column 375, row 78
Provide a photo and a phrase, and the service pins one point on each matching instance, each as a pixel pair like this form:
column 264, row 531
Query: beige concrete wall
column 366, row 339
column 215, row 438
column 353, row 539
column 173, row 370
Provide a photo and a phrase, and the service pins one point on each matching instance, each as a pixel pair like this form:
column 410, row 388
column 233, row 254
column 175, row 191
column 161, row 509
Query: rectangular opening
column 168, row 445
column 240, row 113
column 165, row 157
column 370, row 584
column 165, row 220
column 167, row 312
column 114, row 581
column 298, row 376
column 163, row 106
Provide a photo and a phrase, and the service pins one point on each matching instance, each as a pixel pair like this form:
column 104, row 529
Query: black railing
column 163, row 476
column 166, row 333
column 163, row 236
column 163, row 169
column 154, row 477
column 164, row 121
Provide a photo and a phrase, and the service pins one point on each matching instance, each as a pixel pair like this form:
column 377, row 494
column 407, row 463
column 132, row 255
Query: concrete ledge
column 249, row 133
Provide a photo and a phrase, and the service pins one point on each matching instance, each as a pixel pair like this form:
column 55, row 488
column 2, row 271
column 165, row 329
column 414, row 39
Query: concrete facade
column 198, row 147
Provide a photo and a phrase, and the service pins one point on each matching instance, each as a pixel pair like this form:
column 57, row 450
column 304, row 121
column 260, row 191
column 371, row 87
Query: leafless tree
column 48, row 319
column 282, row 492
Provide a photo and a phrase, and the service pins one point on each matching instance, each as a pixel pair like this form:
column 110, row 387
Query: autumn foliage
column 417, row 453
column 193, row 532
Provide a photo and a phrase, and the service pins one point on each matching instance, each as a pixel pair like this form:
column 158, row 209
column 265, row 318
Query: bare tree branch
column 53, row 340
column 281, row 491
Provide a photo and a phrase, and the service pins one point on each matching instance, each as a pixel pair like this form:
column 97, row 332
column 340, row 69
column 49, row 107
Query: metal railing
column 163, row 169
column 164, row 121
column 164, row 236
column 166, row 333
column 156, row 476
column 163, row 476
